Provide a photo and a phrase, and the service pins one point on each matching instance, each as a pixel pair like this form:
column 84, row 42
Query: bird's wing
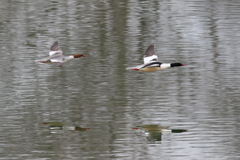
column 151, row 64
column 42, row 60
column 55, row 49
column 57, row 59
column 150, row 55
column 136, row 67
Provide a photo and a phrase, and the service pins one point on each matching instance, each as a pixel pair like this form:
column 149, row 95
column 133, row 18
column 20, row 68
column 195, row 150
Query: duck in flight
column 56, row 56
column 151, row 63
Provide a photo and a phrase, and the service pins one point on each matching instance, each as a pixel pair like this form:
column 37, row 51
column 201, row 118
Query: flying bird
column 151, row 63
column 56, row 56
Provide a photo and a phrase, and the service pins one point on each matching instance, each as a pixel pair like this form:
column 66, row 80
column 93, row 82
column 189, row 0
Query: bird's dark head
column 177, row 64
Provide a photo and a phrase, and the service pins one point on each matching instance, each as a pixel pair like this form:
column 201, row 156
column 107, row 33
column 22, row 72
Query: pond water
column 93, row 108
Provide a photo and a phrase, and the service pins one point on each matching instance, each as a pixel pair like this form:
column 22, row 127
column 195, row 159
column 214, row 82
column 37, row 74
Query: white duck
column 151, row 63
column 56, row 56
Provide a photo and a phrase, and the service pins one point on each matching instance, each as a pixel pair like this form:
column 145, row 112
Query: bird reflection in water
column 63, row 126
column 153, row 133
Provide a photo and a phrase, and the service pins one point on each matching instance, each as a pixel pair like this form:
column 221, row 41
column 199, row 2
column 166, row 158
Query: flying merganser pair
column 56, row 56
column 151, row 63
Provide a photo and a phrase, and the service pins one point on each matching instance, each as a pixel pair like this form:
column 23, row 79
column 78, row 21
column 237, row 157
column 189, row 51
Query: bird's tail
column 132, row 68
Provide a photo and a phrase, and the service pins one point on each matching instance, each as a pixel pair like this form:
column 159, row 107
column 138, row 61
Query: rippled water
column 88, row 108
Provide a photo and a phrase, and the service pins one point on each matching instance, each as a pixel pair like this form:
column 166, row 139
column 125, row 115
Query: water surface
column 97, row 92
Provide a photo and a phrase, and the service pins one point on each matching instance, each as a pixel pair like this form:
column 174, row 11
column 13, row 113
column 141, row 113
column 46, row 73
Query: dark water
column 42, row 104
